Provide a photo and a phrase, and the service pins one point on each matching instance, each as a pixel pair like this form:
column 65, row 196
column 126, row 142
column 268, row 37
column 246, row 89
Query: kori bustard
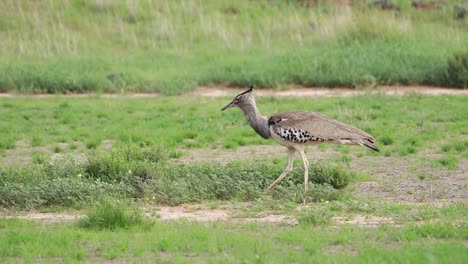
column 295, row 130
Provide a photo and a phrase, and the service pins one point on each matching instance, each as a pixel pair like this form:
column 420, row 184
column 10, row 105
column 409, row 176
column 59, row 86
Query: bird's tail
column 368, row 143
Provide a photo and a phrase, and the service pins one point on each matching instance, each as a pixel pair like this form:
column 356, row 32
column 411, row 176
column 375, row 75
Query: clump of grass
column 455, row 146
column 56, row 149
column 39, row 157
column 449, row 162
column 407, row 150
column 92, row 144
column 7, row 142
column 315, row 216
column 73, row 146
column 36, row 141
column 113, row 215
column 335, row 176
column 124, row 161
column 457, row 70
column 386, row 140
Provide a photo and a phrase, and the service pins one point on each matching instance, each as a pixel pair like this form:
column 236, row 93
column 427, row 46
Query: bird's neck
column 258, row 122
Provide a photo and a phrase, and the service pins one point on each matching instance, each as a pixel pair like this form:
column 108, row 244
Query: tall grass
column 174, row 46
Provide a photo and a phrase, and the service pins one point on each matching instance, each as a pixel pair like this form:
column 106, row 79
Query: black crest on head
column 248, row 91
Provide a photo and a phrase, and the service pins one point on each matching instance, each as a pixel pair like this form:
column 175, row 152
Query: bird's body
column 306, row 128
column 295, row 130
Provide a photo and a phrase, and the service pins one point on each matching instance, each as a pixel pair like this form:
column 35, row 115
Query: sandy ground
column 292, row 91
column 200, row 213
column 302, row 91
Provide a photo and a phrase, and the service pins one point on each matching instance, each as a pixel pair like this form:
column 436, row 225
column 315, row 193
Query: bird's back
column 301, row 127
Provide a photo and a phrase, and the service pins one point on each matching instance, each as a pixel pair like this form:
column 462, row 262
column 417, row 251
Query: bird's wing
column 318, row 126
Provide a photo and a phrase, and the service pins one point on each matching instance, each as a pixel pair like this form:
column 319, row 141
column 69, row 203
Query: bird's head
column 241, row 99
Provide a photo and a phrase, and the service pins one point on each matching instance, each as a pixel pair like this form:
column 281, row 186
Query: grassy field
column 174, row 46
column 147, row 132
column 141, row 172
column 188, row 242
column 404, row 125
column 120, row 164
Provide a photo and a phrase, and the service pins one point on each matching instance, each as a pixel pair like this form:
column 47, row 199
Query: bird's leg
column 306, row 174
column 287, row 170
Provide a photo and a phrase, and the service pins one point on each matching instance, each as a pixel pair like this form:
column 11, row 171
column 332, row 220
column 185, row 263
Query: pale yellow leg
column 287, row 170
column 305, row 162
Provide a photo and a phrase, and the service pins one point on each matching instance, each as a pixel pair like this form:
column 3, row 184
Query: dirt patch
column 24, row 152
column 335, row 249
column 254, row 152
column 412, row 181
column 46, row 217
column 270, row 219
column 291, row 91
column 302, row 91
column 203, row 213
column 364, row 221
column 188, row 212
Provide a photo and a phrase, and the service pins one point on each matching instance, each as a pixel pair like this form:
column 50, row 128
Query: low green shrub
column 113, row 215
column 335, row 176
column 457, row 70
column 133, row 172
column 30, row 187
column 126, row 161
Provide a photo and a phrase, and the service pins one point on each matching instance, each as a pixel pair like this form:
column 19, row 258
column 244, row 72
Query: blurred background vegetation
column 61, row 46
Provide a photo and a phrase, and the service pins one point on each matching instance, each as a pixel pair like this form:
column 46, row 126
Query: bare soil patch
column 255, row 153
column 203, row 213
column 189, row 212
column 290, row 91
column 348, row 249
column 303, row 91
column 364, row 221
column 47, row 218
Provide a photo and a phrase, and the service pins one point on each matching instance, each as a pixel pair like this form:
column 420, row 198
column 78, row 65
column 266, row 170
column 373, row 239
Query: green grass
column 146, row 133
column 448, row 162
column 69, row 183
column 112, row 215
column 175, row 46
column 402, row 125
column 118, row 185
column 182, row 242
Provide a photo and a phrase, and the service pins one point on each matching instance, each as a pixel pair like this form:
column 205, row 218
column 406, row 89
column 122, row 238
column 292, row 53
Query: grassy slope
column 173, row 46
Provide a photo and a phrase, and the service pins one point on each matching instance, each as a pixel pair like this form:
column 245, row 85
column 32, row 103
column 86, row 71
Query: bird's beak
column 231, row 104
